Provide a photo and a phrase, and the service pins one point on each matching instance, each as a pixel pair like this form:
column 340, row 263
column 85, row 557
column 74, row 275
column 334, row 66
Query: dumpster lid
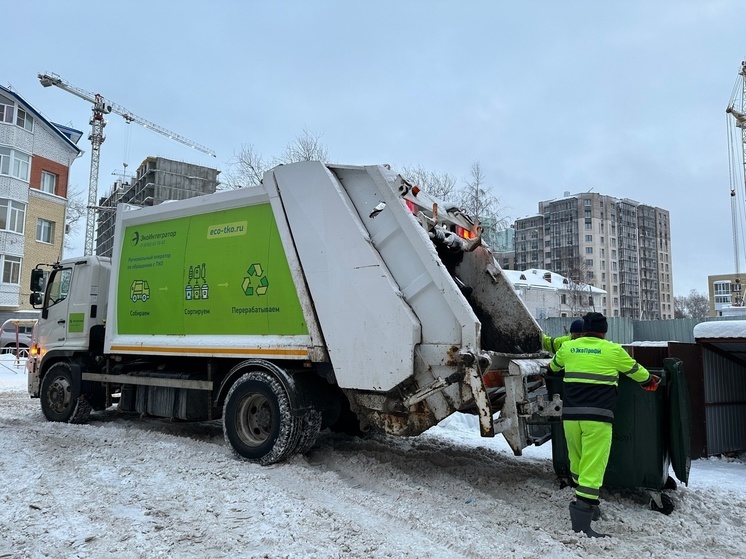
column 727, row 337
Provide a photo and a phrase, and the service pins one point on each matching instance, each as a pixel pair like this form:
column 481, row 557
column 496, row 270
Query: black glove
column 651, row 385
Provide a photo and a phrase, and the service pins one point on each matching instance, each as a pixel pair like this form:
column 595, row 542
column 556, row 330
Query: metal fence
column 626, row 330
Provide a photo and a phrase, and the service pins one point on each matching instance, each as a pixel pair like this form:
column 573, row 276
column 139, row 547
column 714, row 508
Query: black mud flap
column 679, row 419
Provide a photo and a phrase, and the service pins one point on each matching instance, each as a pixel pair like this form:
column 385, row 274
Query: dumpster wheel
column 660, row 502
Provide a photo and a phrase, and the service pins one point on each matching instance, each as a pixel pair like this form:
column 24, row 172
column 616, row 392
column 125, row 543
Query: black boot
column 581, row 515
column 596, row 512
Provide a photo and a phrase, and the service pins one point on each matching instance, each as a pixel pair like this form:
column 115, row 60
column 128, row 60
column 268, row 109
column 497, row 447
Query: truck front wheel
column 257, row 419
column 60, row 396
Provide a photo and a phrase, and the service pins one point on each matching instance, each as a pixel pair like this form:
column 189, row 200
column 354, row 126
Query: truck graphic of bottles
column 196, row 287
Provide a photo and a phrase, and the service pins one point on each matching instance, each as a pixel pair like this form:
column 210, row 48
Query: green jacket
column 592, row 367
column 553, row 344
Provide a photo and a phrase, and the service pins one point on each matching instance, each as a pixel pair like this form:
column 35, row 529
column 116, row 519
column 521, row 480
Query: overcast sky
column 625, row 98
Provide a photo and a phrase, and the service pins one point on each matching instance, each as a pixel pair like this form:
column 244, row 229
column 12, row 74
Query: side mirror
column 36, row 298
column 38, row 279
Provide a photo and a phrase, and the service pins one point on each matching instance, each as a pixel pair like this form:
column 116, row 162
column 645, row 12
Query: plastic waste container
column 651, row 434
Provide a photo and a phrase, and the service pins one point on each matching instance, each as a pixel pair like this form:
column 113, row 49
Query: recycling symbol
column 255, row 271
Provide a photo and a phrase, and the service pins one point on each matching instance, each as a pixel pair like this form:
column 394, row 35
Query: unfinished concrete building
column 157, row 179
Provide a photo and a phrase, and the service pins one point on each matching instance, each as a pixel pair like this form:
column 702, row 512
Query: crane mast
column 101, row 107
column 737, row 159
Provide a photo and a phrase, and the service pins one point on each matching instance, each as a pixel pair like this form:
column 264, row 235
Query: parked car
column 8, row 337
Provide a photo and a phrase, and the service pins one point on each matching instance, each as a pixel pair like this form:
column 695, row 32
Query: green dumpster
column 651, row 435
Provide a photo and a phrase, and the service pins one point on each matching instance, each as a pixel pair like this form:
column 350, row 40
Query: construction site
column 156, row 180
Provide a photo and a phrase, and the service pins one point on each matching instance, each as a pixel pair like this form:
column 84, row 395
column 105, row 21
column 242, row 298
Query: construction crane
column 101, row 107
column 737, row 162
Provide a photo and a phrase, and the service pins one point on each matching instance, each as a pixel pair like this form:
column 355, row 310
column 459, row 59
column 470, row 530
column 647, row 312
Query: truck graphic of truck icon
column 139, row 291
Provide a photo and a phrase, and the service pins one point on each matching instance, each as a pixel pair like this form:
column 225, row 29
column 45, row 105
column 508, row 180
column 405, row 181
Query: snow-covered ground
column 126, row 487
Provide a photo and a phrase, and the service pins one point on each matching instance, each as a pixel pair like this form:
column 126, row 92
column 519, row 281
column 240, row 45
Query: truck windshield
column 59, row 286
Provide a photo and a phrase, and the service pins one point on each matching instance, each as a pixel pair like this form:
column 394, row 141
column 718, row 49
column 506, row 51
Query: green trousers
column 588, row 447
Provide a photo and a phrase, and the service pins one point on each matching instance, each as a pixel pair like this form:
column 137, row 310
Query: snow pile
column 123, row 486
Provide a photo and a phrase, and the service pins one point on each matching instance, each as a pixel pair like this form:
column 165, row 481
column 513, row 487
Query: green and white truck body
column 329, row 295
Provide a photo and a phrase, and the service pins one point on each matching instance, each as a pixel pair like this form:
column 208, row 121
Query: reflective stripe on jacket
column 592, row 368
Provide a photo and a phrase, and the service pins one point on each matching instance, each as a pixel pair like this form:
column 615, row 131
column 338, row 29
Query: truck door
column 52, row 328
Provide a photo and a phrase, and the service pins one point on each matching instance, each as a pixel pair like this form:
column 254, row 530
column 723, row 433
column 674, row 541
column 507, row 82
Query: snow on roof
column 519, row 278
column 544, row 279
column 721, row 329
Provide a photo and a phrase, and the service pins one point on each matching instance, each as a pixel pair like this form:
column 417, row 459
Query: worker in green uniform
column 551, row 345
column 592, row 367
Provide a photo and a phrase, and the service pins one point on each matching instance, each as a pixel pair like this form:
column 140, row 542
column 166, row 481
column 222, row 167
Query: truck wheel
column 311, row 426
column 60, row 396
column 257, row 420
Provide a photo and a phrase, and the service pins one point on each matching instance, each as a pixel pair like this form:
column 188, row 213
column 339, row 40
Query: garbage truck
column 328, row 296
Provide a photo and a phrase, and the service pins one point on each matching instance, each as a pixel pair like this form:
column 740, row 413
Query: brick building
column 35, row 160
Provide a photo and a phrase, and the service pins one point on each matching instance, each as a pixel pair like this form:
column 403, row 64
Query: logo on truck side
column 255, row 271
column 234, row 229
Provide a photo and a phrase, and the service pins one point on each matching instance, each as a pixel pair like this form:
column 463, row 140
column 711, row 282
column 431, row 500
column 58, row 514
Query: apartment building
column 618, row 245
column 35, row 160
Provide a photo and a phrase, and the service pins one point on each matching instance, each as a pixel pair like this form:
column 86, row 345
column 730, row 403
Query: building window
column 45, row 231
column 589, row 250
column 6, row 109
column 721, row 288
column 25, row 120
column 12, row 215
column 48, row 182
column 586, row 202
column 589, row 262
column 589, row 239
column 14, row 163
column 11, row 269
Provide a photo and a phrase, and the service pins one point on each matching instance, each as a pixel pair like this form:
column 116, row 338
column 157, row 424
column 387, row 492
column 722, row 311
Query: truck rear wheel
column 311, row 426
column 60, row 396
column 257, row 419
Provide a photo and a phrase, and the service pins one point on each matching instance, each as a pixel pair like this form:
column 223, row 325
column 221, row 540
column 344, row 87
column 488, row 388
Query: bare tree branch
column 440, row 185
column 695, row 305
column 246, row 168
column 75, row 210
column 306, row 147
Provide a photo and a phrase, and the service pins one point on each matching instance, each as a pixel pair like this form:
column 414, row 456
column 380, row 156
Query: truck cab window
column 59, row 286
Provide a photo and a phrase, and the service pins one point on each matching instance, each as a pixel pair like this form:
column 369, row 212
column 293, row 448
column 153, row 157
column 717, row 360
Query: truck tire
column 60, row 396
column 257, row 419
column 310, row 428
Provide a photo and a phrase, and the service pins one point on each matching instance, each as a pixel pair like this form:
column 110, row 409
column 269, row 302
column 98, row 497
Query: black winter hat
column 595, row 322
column 577, row 326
